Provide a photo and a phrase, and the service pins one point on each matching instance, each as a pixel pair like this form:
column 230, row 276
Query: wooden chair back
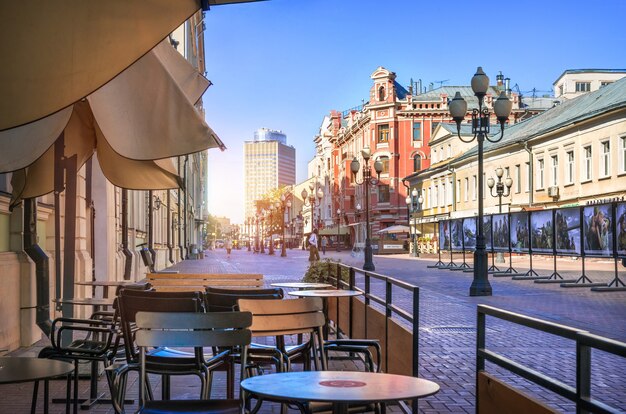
column 216, row 301
column 176, row 329
column 288, row 317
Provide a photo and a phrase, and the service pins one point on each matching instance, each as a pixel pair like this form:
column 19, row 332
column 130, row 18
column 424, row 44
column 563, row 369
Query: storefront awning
column 134, row 123
column 333, row 231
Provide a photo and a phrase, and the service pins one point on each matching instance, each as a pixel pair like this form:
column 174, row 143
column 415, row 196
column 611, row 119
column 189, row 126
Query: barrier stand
column 510, row 272
column 464, row 266
column 493, row 268
column 616, row 285
column 439, row 264
column 556, row 277
column 531, row 274
column 451, row 265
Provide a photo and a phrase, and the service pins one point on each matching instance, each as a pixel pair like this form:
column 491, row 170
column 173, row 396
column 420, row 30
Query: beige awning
column 144, row 114
column 333, row 231
column 55, row 53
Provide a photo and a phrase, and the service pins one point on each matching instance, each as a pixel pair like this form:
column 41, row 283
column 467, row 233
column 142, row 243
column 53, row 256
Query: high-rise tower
column 268, row 163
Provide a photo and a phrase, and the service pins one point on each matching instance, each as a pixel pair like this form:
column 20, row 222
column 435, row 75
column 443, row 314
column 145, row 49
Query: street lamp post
column 263, row 212
column 249, row 224
column 366, row 153
column 480, row 130
column 500, row 192
column 285, row 204
column 414, row 204
column 338, row 228
column 271, row 229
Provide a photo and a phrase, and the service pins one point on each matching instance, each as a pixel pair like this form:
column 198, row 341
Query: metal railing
column 585, row 342
column 386, row 302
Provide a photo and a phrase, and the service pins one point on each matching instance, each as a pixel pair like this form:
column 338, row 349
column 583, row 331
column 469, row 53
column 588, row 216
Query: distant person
column 324, row 244
column 313, row 251
column 229, row 246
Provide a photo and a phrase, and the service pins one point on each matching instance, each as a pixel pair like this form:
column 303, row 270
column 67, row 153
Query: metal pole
column 369, row 263
column 338, row 228
column 480, row 285
column 283, row 252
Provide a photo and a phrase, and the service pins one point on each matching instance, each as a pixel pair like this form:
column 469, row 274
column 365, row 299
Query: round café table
column 302, row 285
column 341, row 388
column 325, row 294
column 14, row 370
column 105, row 284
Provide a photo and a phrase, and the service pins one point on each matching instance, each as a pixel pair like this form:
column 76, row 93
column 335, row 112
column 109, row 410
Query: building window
column 466, row 196
column 528, row 175
column 622, row 154
column 605, row 160
column 444, row 195
column 435, row 196
column 383, row 193
column 430, row 197
column 587, row 163
column 583, row 86
column 434, row 156
column 417, row 163
column 417, row 131
column 383, row 133
column 381, row 93
column 449, row 151
column 474, row 187
column 518, row 179
column 458, row 191
column 385, row 162
column 570, row 167
column 555, row 169
column 540, row 173
column 603, row 84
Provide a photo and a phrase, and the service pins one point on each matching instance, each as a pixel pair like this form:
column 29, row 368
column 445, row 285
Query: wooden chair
column 171, row 329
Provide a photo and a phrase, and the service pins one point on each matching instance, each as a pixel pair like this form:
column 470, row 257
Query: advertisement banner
column 469, row 233
column 500, row 224
column 541, row 231
column 567, row 229
column 487, row 232
column 598, row 230
column 444, row 235
column 456, row 230
column 519, row 232
column 620, row 229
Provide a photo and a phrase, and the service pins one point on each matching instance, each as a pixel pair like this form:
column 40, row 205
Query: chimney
column 419, row 81
column 507, row 86
column 430, row 86
column 499, row 79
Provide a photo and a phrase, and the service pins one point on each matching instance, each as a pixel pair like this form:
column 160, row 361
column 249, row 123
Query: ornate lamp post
column 500, row 192
column 311, row 197
column 414, row 205
column 366, row 153
column 263, row 214
column 338, row 228
column 480, row 129
column 271, row 229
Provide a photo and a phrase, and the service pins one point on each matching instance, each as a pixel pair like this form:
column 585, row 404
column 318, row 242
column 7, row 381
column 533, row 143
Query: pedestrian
column 324, row 244
column 229, row 247
column 313, row 251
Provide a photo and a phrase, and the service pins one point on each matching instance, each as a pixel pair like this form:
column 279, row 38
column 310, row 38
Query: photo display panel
column 567, row 229
column 500, row 223
column 487, row 232
column 444, row 235
column 598, row 230
column 456, row 229
column 519, row 232
column 469, row 233
column 541, row 231
column 620, row 229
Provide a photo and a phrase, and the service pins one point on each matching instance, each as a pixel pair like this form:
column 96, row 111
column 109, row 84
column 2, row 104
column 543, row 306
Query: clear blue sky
column 284, row 64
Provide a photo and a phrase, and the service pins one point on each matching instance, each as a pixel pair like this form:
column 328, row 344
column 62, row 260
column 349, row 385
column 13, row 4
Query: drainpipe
column 170, row 249
column 127, row 253
column 42, row 269
column 530, row 172
column 151, row 226
column 180, row 217
column 186, row 209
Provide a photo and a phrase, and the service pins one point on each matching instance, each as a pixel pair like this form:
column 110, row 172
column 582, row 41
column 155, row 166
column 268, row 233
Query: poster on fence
column 500, row 224
column 567, row 229
column 620, row 229
column 541, row 231
column 469, row 233
column 598, row 230
column 456, row 230
column 487, row 232
column 444, row 235
column 519, row 232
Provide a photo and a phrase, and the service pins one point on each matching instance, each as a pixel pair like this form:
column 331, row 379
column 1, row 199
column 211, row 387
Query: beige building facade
column 570, row 155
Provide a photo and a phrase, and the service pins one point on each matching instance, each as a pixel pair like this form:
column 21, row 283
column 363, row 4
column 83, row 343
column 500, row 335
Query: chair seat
column 191, row 406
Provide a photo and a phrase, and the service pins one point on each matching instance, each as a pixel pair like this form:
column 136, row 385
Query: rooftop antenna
column 441, row 82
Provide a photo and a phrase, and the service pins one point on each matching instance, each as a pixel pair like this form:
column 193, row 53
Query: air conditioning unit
column 553, row 191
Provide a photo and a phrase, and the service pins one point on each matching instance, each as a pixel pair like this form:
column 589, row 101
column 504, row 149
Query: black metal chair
column 218, row 329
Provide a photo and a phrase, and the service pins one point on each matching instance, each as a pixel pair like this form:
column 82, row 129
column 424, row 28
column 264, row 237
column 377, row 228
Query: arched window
column 385, row 161
column 417, row 163
column 381, row 93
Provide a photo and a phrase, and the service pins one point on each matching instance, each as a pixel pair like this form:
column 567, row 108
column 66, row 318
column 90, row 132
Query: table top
column 85, row 301
column 342, row 387
column 327, row 293
column 17, row 369
column 302, row 285
column 105, row 282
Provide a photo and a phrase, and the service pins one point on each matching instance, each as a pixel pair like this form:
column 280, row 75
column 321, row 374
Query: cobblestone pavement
column 447, row 325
